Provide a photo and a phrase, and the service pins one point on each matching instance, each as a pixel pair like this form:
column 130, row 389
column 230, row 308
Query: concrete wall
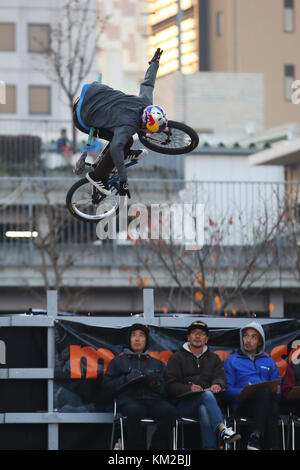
column 220, row 102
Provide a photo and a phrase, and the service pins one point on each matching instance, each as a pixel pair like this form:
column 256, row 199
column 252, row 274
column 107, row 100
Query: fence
column 237, row 214
column 55, row 421
column 42, row 159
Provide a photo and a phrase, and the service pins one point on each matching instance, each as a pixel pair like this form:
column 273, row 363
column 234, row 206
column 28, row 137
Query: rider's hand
column 156, row 56
column 123, row 189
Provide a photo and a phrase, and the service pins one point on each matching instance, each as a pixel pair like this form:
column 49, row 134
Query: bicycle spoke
column 89, row 204
column 174, row 139
column 85, row 202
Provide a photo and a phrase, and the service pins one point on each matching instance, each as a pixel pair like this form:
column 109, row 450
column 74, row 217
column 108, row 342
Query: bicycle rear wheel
column 177, row 139
column 87, row 204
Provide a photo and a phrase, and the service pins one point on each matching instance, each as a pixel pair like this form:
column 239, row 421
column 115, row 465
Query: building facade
column 123, row 57
column 236, row 36
column 28, row 30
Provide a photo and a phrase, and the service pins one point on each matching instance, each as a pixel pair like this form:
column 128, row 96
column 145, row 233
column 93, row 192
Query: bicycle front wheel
column 177, row 139
column 87, row 204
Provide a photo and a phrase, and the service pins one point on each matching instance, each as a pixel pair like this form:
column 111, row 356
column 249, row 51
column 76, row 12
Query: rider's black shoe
column 100, row 184
column 123, row 189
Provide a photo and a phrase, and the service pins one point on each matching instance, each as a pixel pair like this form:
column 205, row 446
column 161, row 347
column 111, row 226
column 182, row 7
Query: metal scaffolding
column 52, row 417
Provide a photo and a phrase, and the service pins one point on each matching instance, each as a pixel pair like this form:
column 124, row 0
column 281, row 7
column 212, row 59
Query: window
column 10, row 106
column 39, row 100
column 38, row 37
column 219, row 23
column 7, row 37
column 289, row 77
column 289, row 25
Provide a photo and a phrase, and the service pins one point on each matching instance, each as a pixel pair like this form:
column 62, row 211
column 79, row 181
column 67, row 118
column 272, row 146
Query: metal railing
column 47, row 162
column 236, row 216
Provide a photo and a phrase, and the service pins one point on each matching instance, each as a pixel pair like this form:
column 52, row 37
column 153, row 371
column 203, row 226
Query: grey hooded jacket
column 104, row 107
column 243, row 368
column 255, row 326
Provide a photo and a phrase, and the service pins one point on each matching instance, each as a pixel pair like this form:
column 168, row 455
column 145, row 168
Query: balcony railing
column 28, row 147
column 35, row 223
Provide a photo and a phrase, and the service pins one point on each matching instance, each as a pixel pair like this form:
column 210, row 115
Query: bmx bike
column 86, row 203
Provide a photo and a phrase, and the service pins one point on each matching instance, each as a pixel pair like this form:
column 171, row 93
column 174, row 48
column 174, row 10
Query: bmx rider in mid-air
column 116, row 117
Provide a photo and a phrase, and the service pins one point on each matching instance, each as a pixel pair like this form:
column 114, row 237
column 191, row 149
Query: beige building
column 123, row 49
column 257, row 36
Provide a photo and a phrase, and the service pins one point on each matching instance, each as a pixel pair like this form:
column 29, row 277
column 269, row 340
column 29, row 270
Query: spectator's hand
column 196, row 388
column 215, row 388
column 156, row 56
column 276, row 389
column 150, row 378
column 133, row 374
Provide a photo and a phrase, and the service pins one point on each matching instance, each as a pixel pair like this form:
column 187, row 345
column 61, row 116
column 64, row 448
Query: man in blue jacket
column 136, row 380
column 250, row 365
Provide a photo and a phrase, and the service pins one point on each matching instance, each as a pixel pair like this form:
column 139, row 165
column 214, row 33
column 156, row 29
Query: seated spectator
column 63, row 146
column 251, row 365
column 291, row 379
column 194, row 368
column 137, row 381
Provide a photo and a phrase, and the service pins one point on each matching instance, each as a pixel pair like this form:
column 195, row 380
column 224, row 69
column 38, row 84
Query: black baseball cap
column 198, row 325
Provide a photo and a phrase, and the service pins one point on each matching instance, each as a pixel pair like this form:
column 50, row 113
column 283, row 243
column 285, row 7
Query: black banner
column 83, row 353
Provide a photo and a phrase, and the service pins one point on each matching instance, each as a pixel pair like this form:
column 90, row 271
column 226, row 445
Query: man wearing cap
column 251, row 365
column 136, row 380
column 194, row 377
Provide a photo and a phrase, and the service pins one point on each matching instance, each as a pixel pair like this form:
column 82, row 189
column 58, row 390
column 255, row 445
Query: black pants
column 106, row 165
column 164, row 414
column 263, row 410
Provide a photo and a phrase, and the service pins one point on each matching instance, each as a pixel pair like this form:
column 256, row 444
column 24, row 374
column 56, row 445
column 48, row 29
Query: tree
column 74, row 48
column 239, row 256
column 56, row 257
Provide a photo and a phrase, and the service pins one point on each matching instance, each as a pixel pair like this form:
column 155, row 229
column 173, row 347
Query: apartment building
column 123, row 49
column 32, row 89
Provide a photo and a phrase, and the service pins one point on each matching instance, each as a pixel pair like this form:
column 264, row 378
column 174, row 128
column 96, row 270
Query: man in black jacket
column 194, row 377
column 136, row 380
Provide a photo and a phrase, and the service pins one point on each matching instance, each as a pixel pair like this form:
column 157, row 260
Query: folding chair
column 242, row 420
column 118, row 419
column 294, row 422
column 179, row 424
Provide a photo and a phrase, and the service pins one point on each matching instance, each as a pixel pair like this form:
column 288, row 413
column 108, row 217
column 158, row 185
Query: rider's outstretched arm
column 148, row 83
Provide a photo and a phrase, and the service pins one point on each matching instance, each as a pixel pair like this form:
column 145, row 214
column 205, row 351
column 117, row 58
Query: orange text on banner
column 92, row 356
